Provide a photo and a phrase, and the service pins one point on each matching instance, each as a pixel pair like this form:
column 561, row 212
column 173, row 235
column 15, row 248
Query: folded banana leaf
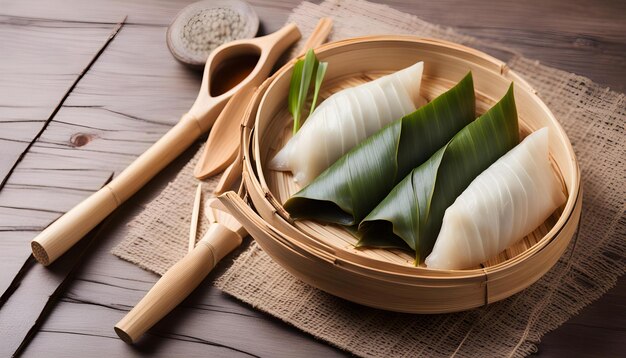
column 350, row 188
column 413, row 211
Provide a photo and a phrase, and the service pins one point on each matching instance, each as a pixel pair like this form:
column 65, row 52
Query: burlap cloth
column 593, row 118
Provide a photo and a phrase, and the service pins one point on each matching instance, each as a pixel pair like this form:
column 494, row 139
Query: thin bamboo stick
column 193, row 227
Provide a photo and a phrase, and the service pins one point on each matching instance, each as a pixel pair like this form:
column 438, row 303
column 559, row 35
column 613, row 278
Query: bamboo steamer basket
column 324, row 255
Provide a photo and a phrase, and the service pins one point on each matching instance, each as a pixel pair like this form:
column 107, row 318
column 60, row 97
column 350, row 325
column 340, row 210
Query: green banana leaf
column 413, row 211
column 350, row 188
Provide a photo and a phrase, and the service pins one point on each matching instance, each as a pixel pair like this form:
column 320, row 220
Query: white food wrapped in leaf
column 345, row 119
column 503, row 204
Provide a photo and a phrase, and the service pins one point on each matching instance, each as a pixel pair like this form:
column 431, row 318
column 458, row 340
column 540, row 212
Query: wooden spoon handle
column 276, row 43
column 62, row 234
column 318, row 36
column 178, row 282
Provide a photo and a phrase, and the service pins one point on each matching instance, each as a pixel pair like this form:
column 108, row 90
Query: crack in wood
column 78, row 333
column 20, row 120
column 188, row 338
column 14, row 141
column 90, row 127
column 126, row 115
column 61, row 169
column 32, row 209
column 114, row 33
column 33, row 21
column 29, row 21
column 20, row 106
column 64, row 146
column 70, row 298
column 110, row 285
column 89, row 239
column 74, row 300
column 42, row 186
column 128, row 279
column 15, row 283
column 202, row 308
column 20, row 228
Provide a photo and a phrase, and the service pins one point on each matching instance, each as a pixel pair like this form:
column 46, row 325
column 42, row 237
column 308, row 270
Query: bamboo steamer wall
column 324, row 256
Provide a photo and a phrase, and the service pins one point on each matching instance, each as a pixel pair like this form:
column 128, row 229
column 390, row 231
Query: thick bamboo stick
column 178, row 282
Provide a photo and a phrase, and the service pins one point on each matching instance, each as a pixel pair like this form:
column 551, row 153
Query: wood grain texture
column 39, row 61
column 575, row 36
column 106, row 288
column 132, row 95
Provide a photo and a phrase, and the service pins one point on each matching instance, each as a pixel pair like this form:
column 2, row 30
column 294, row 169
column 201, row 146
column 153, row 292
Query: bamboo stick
column 180, row 280
column 193, row 227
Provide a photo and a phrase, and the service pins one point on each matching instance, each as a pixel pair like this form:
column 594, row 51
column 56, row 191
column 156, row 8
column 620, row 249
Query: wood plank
column 88, row 345
column 38, row 63
column 215, row 323
column 140, row 12
column 47, row 96
column 123, row 104
column 34, row 288
column 557, row 33
column 102, row 136
column 32, row 295
column 105, row 288
column 576, row 36
column 12, row 258
column 146, row 12
column 598, row 331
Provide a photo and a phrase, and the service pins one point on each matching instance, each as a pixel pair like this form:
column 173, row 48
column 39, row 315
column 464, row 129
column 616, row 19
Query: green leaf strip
column 303, row 72
column 349, row 189
column 319, row 78
column 294, row 93
column 413, row 211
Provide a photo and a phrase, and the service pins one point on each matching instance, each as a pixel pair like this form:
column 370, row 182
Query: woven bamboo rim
column 383, row 278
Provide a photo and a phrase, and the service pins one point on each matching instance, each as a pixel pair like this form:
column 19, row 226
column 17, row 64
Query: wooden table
column 71, row 117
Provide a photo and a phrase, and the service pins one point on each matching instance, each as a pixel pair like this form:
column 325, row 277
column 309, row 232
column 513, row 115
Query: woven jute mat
column 593, row 118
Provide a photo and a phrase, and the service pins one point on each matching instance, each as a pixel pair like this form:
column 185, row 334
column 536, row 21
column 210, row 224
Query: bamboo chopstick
column 193, row 227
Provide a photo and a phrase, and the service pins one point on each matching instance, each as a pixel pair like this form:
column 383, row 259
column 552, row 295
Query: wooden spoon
column 229, row 149
column 221, row 147
column 223, row 77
